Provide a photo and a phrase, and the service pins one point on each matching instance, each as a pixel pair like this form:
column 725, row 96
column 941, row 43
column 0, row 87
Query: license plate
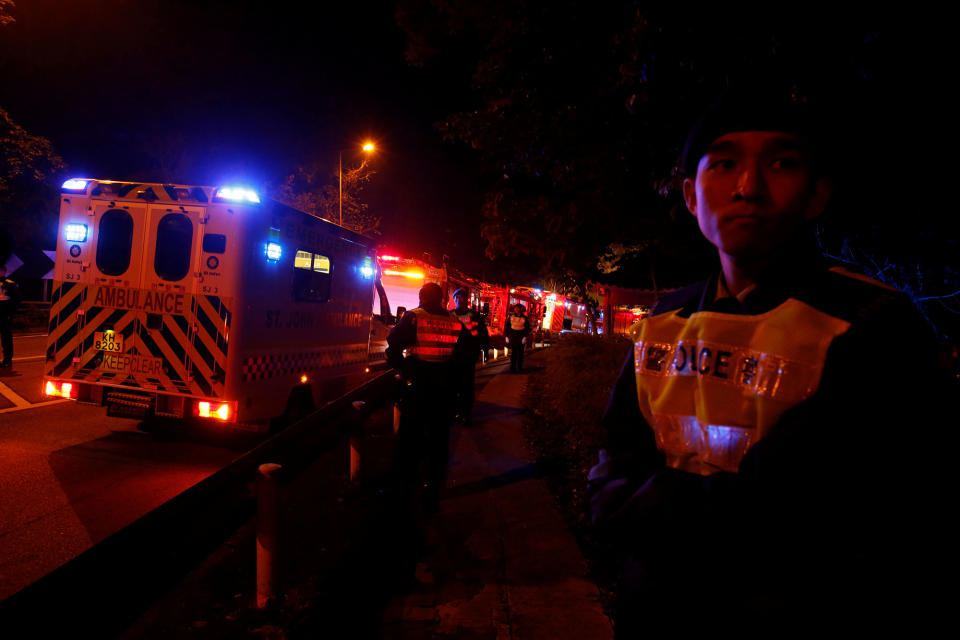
column 108, row 341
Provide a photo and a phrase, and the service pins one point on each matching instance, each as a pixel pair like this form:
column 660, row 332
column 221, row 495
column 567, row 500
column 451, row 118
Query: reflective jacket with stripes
column 427, row 336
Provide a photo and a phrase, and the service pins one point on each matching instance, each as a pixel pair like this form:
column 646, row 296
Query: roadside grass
column 566, row 399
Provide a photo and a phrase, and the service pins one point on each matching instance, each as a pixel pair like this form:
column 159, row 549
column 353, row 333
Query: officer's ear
column 690, row 194
column 821, row 191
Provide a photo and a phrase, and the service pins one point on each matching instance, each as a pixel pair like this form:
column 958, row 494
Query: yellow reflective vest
column 712, row 384
column 436, row 336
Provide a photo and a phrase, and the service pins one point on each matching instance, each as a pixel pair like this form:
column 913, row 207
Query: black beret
column 745, row 109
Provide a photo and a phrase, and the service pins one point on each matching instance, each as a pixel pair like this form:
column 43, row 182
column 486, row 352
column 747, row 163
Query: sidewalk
column 500, row 562
column 495, row 562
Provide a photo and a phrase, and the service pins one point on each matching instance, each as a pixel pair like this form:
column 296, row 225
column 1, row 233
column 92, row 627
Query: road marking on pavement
column 12, row 396
column 28, row 358
column 21, row 403
column 32, row 406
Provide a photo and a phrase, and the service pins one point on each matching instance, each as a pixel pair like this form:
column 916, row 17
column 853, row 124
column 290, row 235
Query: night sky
column 215, row 91
column 219, row 90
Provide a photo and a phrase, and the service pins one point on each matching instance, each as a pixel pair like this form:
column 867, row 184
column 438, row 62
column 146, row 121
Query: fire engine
column 175, row 301
column 398, row 287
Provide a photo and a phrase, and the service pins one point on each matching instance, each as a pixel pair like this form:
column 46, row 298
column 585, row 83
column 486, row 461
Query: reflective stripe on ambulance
column 183, row 356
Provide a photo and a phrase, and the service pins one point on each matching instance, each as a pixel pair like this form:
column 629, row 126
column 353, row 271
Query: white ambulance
column 178, row 301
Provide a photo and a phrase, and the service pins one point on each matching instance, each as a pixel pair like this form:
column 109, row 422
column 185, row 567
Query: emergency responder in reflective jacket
column 516, row 330
column 421, row 347
column 473, row 341
column 757, row 470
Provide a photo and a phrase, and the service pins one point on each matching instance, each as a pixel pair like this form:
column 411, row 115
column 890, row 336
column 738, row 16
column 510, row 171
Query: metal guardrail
column 103, row 590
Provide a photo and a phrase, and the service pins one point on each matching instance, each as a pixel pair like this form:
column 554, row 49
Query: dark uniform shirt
column 768, row 475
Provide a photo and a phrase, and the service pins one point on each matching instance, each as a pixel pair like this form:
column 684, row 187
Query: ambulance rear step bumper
column 128, row 404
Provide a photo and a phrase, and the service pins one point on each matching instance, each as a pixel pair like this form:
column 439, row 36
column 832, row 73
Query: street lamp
column 367, row 148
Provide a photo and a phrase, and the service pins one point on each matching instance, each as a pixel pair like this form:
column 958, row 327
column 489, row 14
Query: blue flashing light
column 75, row 184
column 75, row 232
column 238, row 194
column 366, row 269
column 273, row 251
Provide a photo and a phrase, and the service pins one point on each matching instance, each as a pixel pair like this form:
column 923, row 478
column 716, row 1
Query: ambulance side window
column 312, row 277
column 114, row 239
column 174, row 242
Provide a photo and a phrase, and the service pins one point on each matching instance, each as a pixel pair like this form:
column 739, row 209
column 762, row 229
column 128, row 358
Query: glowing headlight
column 75, row 232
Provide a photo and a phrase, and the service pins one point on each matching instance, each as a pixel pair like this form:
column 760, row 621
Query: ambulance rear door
column 89, row 319
column 166, row 309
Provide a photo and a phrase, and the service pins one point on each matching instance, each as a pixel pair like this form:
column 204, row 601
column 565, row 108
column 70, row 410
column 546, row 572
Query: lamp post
column 367, row 148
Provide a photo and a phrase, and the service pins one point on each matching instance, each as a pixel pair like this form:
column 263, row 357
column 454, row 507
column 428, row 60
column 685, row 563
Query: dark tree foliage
column 29, row 178
column 581, row 109
column 313, row 189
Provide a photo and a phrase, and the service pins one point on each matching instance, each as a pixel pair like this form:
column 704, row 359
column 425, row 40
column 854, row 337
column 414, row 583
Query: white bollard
column 356, row 441
column 354, row 457
column 267, row 552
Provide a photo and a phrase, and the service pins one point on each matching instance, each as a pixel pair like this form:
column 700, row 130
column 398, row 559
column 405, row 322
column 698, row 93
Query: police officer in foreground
column 516, row 330
column 473, row 341
column 421, row 347
column 9, row 300
column 765, row 432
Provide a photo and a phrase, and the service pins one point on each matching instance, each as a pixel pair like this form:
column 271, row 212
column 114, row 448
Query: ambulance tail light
column 58, row 389
column 222, row 411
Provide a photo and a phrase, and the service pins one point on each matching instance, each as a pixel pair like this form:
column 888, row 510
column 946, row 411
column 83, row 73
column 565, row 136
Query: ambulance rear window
column 214, row 243
column 114, row 239
column 312, row 277
column 174, row 242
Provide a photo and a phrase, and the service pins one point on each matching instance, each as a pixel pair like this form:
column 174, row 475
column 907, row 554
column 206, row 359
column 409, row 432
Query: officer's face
column 753, row 191
column 461, row 300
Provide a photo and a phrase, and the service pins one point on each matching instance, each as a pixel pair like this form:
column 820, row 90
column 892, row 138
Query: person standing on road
column 516, row 331
column 473, row 341
column 9, row 301
column 763, row 447
column 421, row 347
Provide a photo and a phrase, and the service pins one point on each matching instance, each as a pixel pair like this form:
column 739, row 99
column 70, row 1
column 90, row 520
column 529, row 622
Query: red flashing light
column 388, row 258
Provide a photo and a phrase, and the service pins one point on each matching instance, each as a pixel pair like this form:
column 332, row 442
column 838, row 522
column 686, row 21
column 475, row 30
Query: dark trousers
column 423, row 441
column 466, row 379
column 6, row 336
column 516, row 354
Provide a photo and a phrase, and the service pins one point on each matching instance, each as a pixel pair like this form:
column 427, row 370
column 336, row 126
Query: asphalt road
column 70, row 476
